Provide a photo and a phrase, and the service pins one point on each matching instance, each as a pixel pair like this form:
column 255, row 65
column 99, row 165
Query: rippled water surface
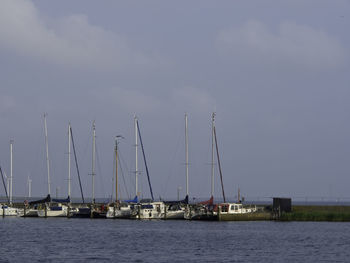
column 81, row 240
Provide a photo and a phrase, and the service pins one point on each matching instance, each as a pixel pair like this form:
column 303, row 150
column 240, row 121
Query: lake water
column 84, row 240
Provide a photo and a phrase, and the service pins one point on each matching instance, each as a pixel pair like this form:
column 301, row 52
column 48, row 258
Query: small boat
column 176, row 209
column 31, row 208
column 53, row 210
column 6, row 210
column 201, row 211
column 120, row 210
column 235, row 208
column 148, row 209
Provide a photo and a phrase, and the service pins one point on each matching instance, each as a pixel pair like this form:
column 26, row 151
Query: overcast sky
column 275, row 72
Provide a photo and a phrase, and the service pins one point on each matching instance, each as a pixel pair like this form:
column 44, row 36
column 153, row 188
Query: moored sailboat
column 58, row 207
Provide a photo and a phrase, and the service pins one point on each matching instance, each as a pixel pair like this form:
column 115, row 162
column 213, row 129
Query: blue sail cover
column 61, row 200
column 184, row 201
column 135, row 200
column 45, row 200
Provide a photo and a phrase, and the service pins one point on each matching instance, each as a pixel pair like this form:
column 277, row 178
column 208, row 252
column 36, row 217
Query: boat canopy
column 57, row 200
column 208, row 202
column 184, row 201
column 131, row 201
column 45, row 200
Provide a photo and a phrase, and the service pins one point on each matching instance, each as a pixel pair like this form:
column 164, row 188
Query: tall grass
column 318, row 213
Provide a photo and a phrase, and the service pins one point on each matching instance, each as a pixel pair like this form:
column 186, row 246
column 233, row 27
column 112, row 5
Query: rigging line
column 144, row 158
column 76, row 164
column 99, row 169
column 217, row 153
column 3, row 181
column 122, row 172
column 123, row 162
column 113, row 173
column 179, row 141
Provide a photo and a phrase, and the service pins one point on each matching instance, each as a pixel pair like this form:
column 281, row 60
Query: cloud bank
column 70, row 41
column 291, row 44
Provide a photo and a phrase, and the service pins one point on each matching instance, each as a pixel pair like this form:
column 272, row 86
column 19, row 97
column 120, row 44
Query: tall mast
column 93, row 160
column 212, row 152
column 218, row 157
column 186, row 143
column 116, row 168
column 29, row 187
column 47, row 157
column 136, row 157
column 11, row 169
column 3, row 181
column 69, row 161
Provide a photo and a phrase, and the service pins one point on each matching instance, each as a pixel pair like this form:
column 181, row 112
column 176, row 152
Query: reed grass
column 318, row 213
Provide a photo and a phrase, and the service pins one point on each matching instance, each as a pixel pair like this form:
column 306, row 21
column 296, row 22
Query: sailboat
column 7, row 209
column 205, row 210
column 119, row 209
column 54, row 207
column 146, row 208
column 177, row 209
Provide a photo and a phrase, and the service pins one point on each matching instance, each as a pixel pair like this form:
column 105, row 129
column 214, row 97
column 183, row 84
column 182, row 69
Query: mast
column 93, row 160
column 47, row 156
column 136, row 157
column 186, row 143
column 116, row 168
column 29, row 187
column 217, row 153
column 3, row 181
column 69, row 160
column 76, row 165
column 144, row 159
column 212, row 152
column 11, row 169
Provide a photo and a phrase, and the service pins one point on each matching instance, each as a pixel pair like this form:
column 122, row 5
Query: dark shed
column 282, row 204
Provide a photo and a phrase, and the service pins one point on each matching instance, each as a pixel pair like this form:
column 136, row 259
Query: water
column 81, row 240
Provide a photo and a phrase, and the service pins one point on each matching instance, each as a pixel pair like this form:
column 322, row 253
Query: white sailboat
column 9, row 210
column 58, row 208
column 146, row 208
column 176, row 210
column 204, row 209
column 118, row 209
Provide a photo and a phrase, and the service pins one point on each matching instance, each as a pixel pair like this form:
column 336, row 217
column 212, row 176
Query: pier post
column 91, row 211
column 3, row 211
column 45, row 211
column 138, row 212
column 68, row 211
column 165, row 212
column 24, row 211
column 219, row 213
column 114, row 208
column 190, row 207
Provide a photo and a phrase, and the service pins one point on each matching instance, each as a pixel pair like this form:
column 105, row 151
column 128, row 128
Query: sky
column 275, row 72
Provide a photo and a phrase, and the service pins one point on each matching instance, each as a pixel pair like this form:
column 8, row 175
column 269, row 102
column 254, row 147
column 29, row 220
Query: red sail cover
column 208, row 202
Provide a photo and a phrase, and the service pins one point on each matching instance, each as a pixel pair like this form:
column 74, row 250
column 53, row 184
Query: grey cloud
column 69, row 41
column 291, row 44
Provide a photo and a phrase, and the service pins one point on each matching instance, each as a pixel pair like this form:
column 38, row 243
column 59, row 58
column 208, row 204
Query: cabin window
column 224, row 208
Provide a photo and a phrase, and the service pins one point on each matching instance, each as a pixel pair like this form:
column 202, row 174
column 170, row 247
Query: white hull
column 123, row 212
column 9, row 211
column 31, row 213
column 154, row 210
column 178, row 214
column 235, row 209
column 49, row 213
column 54, row 211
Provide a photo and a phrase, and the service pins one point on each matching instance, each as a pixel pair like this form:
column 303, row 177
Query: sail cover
column 57, row 200
column 184, row 201
column 135, row 200
column 45, row 200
